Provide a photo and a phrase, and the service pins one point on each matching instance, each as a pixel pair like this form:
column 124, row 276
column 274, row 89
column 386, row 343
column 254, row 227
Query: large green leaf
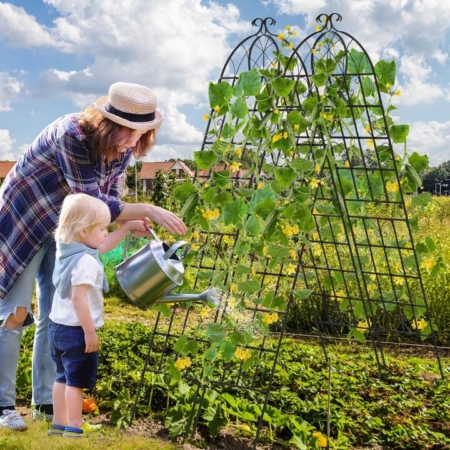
column 205, row 159
column 239, row 108
column 386, row 72
column 419, row 162
column 183, row 191
column 219, row 94
column 284, row 176
column 249, row 83
column 399, row 133
column 234, row 212
column 283, row 86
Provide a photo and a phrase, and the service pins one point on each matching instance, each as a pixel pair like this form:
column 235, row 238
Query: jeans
column 21, row 294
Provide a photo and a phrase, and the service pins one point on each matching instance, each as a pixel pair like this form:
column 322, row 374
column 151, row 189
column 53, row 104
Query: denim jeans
column 21, row 294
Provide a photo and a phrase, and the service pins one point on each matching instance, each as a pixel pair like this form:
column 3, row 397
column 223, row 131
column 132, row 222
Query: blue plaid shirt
column 56, row 164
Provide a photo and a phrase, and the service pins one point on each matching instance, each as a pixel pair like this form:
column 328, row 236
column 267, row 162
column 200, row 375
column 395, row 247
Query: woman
column 83, row 152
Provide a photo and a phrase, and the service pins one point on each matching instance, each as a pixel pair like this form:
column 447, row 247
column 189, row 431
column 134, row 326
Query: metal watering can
column 153, row 271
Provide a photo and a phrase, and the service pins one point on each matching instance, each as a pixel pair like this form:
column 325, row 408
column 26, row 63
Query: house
column 150, row 169
column 5, row 167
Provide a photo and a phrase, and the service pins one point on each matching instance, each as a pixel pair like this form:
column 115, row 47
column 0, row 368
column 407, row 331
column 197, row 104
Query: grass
column 36, row 439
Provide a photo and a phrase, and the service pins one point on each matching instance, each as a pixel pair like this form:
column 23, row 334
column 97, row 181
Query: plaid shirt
column 56, row 164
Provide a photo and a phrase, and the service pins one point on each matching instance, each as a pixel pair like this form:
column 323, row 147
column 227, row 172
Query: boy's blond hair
column 80, row 211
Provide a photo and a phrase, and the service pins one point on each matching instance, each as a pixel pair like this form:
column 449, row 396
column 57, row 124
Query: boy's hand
column 138, row 227
column 92, row 342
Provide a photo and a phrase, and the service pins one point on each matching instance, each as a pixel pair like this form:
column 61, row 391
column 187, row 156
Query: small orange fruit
column 89, row 405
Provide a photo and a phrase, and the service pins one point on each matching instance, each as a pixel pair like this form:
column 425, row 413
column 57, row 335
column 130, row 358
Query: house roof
column 5, row 167
column 149, row 169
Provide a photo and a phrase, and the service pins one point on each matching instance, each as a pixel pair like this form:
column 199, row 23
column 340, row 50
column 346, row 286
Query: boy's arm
column 81, row 306
column 115, row 238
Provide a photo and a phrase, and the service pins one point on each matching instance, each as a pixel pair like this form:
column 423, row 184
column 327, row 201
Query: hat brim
column 156, row 123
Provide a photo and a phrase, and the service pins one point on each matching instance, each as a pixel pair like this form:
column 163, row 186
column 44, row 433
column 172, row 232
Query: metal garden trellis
column 359, row 258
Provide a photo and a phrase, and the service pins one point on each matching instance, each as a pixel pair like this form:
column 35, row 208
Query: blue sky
column 57, row 56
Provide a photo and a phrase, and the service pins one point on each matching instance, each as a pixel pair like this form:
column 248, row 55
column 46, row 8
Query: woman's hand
column 170, row 221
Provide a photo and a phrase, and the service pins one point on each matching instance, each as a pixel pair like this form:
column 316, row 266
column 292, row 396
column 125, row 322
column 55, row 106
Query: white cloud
column 432, row 139
column 20, row 29
column 415, row 87
column 6, row 146
column 9, row 89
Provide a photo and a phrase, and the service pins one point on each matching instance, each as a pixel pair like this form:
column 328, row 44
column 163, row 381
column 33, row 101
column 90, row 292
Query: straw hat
column 130, row 105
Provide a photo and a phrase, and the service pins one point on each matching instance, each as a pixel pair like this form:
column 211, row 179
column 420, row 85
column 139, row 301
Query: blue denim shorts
column 74, row 367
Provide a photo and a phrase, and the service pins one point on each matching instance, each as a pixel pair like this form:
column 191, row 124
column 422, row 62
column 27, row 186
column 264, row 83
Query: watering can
column 153, row 271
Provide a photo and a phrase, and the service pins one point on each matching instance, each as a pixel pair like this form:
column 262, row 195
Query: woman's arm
column 170, row 221
column 115, row 238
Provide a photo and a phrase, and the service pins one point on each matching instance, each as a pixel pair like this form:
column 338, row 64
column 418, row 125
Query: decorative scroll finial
column 263, row 24
column 328, row 19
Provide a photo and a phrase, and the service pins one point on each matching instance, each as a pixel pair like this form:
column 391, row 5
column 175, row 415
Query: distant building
column 5, row 167
column 150, row 169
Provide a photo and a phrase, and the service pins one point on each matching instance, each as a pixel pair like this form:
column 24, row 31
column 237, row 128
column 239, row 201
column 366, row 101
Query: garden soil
column 227, row 440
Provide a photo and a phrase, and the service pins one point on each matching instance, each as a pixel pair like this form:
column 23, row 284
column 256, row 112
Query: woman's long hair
column 104, row 134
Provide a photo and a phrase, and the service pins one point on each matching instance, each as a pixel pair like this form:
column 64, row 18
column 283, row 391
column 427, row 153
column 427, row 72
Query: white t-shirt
column 87, row 271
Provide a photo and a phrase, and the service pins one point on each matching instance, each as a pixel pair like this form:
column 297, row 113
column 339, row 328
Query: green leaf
column 284, row 176
column 399, row 133
column 358, row 62
column 249, row 83
column 234, row 212
column 249, row 287
column 179, row 345
column 278, row 251
column 319, row 79
column 221, row 178
column 222, row 199
column 204, row 159
column 422, row 199
column 419, row 162
column 386, row 72
column 239, row 109
column 283, row 86
column 295, row 118
column 214, row 332
column 368, row 86
column 253, row 226
column 219, row 94
column 227, row 131
column 303, row 293
column 302, row 165
column 227, row 350
column 260, row 196
column 264, row 208
column 183, row 191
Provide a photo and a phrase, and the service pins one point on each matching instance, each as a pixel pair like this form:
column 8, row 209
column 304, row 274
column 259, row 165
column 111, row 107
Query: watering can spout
column 210, row 296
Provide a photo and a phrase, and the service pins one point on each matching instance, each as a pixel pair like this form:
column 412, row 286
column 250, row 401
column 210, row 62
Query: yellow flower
column 419, row 325
column 347, row 164
column 206, row 184
column 368, row 128
column 243, row 354
column 195, row 235
column 428, row 263
column 291, row 45
column 340, row 295
column 265, row 250
column 280, row 36
column 294, row 33
column 314, row 183
column 235, row 166
column 318, row 27
column 277, row 137
column 210, row 214
column 296, row 127
column 369, row 143
column 388, row 86
column 320, row 44
column 317, row 168
column 260, row 185
column 293, row 253
column 321, row 440
column 275, row 111
column 313, row 50
column 392, row 186
column 239, row 152
column 270, row 318
column 362, row 326
column 287, row 27
column 232, row 303
column 181, row 363
column 217, row 108
column 291, row 269
column 233, row 288
column 398, row 93
column 205, row 116
column 399, row 281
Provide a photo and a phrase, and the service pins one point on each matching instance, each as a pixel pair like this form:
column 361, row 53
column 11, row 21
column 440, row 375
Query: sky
column 58, row 56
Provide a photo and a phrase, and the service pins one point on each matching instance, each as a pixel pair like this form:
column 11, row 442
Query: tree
column 161, row 189
column 434, row 176
column 130, row 178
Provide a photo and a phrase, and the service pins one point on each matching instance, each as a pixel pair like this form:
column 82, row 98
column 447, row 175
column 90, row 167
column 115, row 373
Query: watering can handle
column 175, row 247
